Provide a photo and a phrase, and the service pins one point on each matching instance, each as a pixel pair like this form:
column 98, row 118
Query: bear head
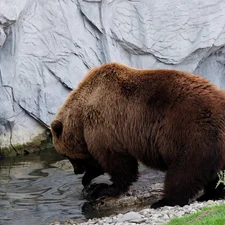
column 69, row 145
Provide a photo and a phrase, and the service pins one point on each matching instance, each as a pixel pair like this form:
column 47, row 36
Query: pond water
column 35, row 192
column 38, row 189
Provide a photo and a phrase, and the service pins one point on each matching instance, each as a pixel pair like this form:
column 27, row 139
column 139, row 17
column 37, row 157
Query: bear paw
column 100, row 190
column 207, row 197
column 159, row 204
column 94, row 191
column 203, row 198
column 169, row 202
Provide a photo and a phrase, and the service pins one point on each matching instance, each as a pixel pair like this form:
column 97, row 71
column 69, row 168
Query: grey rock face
column 46, row 47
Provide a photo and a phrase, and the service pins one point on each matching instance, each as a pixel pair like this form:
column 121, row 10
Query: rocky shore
column 146, row 216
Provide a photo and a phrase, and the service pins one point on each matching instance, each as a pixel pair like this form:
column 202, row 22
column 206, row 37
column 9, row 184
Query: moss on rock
column 40, row 142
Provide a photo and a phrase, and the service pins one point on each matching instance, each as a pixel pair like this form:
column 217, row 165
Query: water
column 35, row 192
column 38, row 189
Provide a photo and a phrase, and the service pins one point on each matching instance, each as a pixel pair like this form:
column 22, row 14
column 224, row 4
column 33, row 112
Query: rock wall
column 47, row 46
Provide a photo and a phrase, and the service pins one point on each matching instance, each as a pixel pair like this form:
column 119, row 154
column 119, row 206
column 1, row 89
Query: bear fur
column 170, row 120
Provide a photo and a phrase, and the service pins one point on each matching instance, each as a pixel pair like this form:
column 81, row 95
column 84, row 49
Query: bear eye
column 57, row 127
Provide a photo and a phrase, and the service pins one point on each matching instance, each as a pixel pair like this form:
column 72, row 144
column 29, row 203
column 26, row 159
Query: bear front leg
column 90, row 174
column 123, row 170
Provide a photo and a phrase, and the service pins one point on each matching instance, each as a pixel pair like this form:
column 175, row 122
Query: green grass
column 214, row 215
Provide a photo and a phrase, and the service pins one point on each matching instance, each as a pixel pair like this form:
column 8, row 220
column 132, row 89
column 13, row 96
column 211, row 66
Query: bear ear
column 57, row 126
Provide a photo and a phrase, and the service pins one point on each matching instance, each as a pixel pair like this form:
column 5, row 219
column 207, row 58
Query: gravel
column 148, row 216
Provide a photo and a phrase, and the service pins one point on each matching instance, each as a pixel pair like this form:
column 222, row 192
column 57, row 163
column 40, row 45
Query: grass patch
column 214, row 215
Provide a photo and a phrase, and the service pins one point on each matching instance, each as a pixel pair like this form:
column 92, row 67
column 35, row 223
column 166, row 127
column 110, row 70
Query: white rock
column 41, row 59
column 2, row 37
column 144, row 212
column 180, row 214
column 130, row 216
column 108, row 220
column 165, row 216
column 141, row 220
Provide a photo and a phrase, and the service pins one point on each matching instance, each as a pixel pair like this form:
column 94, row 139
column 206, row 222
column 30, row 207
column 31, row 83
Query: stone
column 130, row 216
column 2, row 37
column 46, row 47
column 100, row 223
column 141, row 220
column 108, row 220
column 180, row 214
column 56, row 223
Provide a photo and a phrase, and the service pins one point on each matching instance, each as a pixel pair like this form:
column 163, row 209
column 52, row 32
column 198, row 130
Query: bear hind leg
column 191, row 173
column 179, row 187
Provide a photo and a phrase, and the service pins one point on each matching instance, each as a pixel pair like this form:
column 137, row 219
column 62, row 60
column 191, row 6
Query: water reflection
column 34, row 192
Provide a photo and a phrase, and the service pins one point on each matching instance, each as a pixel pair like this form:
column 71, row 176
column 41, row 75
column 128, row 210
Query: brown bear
column 169, row 120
